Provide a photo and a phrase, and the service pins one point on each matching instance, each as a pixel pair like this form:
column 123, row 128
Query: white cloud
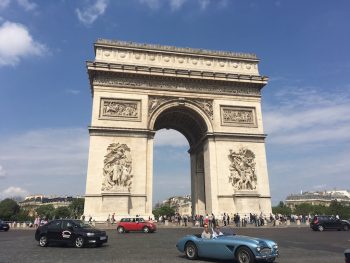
column 169, row 138
column 73, row 91
column 4, row 4
column 92, row 12
column 17, row 43
column 308, row 116
column 153, row 4
column 203, row 4
column 13, row 191
column 2, row 172
column 27, row 5
column 176, row 4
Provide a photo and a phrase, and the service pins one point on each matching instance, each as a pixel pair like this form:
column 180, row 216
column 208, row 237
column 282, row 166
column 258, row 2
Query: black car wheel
column 43, row 241
column 120, row 229
column 79, row 242
column 320, row 228
column 346, row 228
column 191, row 250
column 244, row 255
column 145, row 229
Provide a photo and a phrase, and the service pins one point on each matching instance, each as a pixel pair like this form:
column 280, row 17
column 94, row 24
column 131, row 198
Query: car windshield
column 81, row 224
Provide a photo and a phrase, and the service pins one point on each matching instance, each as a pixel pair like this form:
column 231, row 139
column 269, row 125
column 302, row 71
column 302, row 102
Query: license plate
column 103, row 238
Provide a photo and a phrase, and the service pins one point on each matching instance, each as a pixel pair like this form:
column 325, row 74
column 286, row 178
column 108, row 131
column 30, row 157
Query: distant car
column 72, row 232
column 321, row 223
column 241, row 249
column 4, row 226
column 135, row 224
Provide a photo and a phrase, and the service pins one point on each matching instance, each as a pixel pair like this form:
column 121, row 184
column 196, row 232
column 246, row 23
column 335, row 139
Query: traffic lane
column 296, row 245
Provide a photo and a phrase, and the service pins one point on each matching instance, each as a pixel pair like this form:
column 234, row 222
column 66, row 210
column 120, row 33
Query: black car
column 321, row 223
column 72, row 232
column 4, row 226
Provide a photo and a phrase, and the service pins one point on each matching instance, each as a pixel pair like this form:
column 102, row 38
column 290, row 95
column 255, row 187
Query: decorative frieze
column 174, row 84
column 192, row 59
column 242, row 169
column 117, row 176
column 120, row 109
column 238, row 116
column 155, row 102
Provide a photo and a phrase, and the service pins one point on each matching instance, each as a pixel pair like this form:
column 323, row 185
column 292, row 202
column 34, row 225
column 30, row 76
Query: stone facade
column 212, row 97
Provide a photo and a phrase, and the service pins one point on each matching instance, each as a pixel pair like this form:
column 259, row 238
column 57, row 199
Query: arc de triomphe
column 212, row 97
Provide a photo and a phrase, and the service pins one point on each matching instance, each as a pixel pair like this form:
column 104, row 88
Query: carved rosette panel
column 171, row 84
column 156, row 101
column 117, row 176
column 242, row 169
column 120, row 109
column 238, row 116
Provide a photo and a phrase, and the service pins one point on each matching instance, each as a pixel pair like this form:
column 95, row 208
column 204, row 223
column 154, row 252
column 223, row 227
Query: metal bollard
column 347, row 255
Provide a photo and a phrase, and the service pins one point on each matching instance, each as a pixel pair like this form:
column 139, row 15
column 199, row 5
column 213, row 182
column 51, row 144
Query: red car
column 135, row 224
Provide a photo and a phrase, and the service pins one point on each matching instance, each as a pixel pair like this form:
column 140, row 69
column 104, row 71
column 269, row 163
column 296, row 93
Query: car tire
column 6, row 229
column 79, row 242
column 320, row 228
column 120, row 230
column 346, row 228
column 145, row 229
column 191, row 251
column 244, row 255
column 43, row 241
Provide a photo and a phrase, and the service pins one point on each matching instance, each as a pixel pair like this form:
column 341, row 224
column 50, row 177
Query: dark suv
column 321, row 223
column 74, row 232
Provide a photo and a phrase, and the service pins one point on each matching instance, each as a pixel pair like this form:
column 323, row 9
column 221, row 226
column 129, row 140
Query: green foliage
column 77, row 207
column 303, row 209
column 337, row 208
column 164, row 210
column 9, row 209
column 281, row 209
column 62, row 212
column 23, row 216
column 45, row 211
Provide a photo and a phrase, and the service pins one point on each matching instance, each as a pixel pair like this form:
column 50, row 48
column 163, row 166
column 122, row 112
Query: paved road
column 296, row 245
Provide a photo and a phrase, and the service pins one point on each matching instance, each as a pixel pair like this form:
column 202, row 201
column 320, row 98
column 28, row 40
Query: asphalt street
column 295, row 245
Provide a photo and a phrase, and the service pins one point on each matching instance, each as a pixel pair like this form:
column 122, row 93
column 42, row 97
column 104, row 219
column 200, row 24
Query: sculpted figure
column 117, row 168
column 242, row 170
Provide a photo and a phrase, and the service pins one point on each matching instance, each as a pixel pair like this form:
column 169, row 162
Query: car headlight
column 275, row 246
column 90, row 234
column 258, row 249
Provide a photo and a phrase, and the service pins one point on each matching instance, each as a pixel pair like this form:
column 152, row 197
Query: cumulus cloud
column 27, row 5
column 89, row 14
column 13, row 191
column 17, row 43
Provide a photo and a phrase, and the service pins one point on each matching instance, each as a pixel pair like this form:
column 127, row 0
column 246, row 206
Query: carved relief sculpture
column 120, row 109
column 117, row 168
column 242, row 169
column 238, row 116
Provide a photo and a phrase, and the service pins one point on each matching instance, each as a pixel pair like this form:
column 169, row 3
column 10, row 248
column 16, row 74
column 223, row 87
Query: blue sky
column 45, row 100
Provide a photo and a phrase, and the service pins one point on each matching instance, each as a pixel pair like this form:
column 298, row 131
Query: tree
column 62, row 212
column 77, row 207
column 281, row 209
column 164, row 210
column 9, row 209
column 45, row 211
column 304, row 209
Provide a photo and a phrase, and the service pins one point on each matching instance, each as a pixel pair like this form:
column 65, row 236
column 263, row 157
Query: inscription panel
column 238, row 116
column 120, row 109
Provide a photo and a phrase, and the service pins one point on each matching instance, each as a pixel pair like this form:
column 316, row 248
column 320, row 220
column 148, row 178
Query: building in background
column 318, row 198
column 182, row 204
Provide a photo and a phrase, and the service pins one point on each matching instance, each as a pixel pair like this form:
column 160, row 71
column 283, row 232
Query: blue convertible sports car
column 242, row 249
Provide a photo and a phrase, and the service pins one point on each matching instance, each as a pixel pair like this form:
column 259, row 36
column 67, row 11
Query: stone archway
column 211, row 97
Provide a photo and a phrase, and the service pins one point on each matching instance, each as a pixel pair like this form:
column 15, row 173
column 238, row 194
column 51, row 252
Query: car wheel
column 244, row 255
column 145, row 229
column 7, row 229
column 346, row 228
column 43, row 241
column 79, row 242
column 120, row 230
column 320, row 228
column 191, row 251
